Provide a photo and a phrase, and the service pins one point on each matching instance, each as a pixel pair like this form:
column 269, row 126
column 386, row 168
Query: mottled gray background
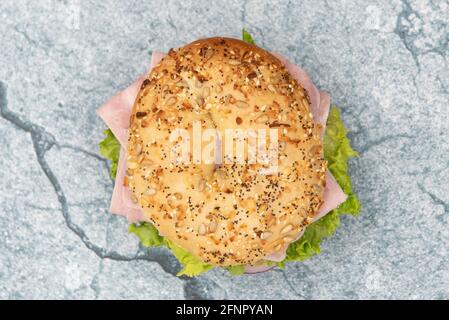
column 384, row 62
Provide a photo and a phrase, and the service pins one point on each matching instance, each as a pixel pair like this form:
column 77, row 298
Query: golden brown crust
column 232, row 214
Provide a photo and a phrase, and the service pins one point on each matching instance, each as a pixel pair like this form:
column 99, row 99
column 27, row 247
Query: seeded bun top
column 236, row 213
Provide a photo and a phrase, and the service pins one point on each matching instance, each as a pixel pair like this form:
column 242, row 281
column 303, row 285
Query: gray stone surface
column 384, row 62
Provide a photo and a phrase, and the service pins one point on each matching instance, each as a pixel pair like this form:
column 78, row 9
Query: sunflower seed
column 305, row 103
column 265, row 235
column 315, row 150
column 198, row 83
column 206, row 92
column 318, row 188
column 182, row 84
column 178, row 196
column 234, row 62
column 209, row 53
column 287, row 229
column 202, row 229
column 271, row 88
column 137, row 149
column 171, row 101
column 287, row 171
column 229, row 99
column 151, row 191
column 147, row 162
column 199, row 101
column 202, row 185
column 212, row 227
column 141, row 158
column 242, row 104
column 261, row 119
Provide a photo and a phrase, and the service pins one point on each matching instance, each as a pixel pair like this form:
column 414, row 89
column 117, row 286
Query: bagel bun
column 231, row 213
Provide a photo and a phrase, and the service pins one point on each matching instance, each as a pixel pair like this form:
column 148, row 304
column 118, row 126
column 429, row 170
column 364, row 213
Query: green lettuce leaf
column 247, row 37
column 149, row 237
column 147, row 234
column 192, row 265
column 110, row 149
column 236, row 270
column 337, row 151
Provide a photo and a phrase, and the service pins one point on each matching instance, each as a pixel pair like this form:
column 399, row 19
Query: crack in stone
column 172, row 24
column 382, row 140
column 79, row 149
column 201, row 289
column 444, row 88
column 43, row 142
column 89, row 154
column 41, row 208
column 291, row 286
column 94, row 283
column 31, row 41
column 435, row 199
column 402, row 31
column 408, row 37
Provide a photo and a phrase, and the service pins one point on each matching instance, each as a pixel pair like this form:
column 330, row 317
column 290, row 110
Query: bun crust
column 231, row 214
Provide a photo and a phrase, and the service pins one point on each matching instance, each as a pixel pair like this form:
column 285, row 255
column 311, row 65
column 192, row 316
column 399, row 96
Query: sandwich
column 229, row 156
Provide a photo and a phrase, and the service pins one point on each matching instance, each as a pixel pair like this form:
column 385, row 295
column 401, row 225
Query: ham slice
column 257, row 269
column 333, row 197
column 116, row 113
column 320, row 115
column 117, row 110
column 121, row 203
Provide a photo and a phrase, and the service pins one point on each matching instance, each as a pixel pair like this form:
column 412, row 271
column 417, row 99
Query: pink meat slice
column 116, row 113
column 322, row 113
column 333, row 197
column 257, row 269
column 121, row 203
